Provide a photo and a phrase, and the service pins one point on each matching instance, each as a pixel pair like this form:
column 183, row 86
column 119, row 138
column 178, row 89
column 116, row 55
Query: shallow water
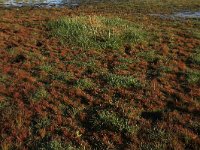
column 20, row 3
column 188, row 14
column 183, row 15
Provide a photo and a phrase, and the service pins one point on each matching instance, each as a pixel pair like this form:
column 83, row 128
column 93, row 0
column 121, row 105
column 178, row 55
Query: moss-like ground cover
column 101, row 76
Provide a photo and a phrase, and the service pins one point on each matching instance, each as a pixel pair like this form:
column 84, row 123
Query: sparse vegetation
column 55, row 145
column 195, row 58
column 3, row 78
column 111, row 120
column 122, row 81
column 149, row 56
column 84, row 84
column 126, row 60
column 62, row 76
column 47, row 68
column 40, row 93
column 42, row 123
column 3, row 104
column 193, row 76
column 155, row 139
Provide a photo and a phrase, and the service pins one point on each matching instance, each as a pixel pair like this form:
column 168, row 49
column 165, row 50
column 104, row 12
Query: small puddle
column 179, row 15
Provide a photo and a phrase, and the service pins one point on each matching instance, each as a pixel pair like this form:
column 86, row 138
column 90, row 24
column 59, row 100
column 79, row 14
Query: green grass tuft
column 84, row 84
column 41, row 93
column 96, row 32
column 122, row 81
column 156, row 139
column 195, row 58
column 112, row 121
column 46, row 68
column 62, row 76
column 193, row 76
column 149, row 56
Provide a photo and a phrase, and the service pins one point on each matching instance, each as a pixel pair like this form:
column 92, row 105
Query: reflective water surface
column 183, row 15
column 188, row 14
column 20, row 3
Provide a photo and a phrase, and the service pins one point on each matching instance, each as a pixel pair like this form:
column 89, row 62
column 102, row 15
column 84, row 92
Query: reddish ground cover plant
column 57, row 95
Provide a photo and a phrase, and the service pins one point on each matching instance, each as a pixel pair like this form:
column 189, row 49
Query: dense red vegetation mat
column 54, row 97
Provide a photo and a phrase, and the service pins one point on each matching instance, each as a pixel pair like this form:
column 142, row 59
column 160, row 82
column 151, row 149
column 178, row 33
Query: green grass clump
column 42, row 123
column 196, row 34
column 122, row 81
column 193, row 76
column 121, row 67
column 3, row 78
column 111, row 119
column 84, row 84
column 195, row 58
column 47, row 68
column 149, row 56
column 41, row 93
column 3, row 104
column 58, row 145
column 55, row 145
column 62, row 76
column 126, row 60
column 155, row 139
column 96, row 32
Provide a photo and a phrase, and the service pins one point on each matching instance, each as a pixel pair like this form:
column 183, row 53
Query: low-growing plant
column 122, row 81
column 71, row 111
column 126, row 60
column 3, row 104
column 195, row 126
column 40, row 93
column 39, row 125
column 5, row 145
column 80, row 63
column 84, row 84
column 55, row 145
column 149, row 56
column 34, row 56
column 121, row 67
column 96, row 32
column 196, row 34
column 47, row 68
column 193, row 76
column 62, row 76
column 195, row 58
column 12, row 51
column 3, row 78
column 155, row 139
column 165, row 69
column 113, row 121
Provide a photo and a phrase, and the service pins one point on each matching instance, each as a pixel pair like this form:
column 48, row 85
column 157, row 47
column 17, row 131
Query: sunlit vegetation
column 101, row 76
column 114, row 122
column 40, row 93
column 84, row 84
column 96, row 32
column 193, row 76
column 149, row 56
column 122, row 81
column 157, row 139
column 195, row 57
